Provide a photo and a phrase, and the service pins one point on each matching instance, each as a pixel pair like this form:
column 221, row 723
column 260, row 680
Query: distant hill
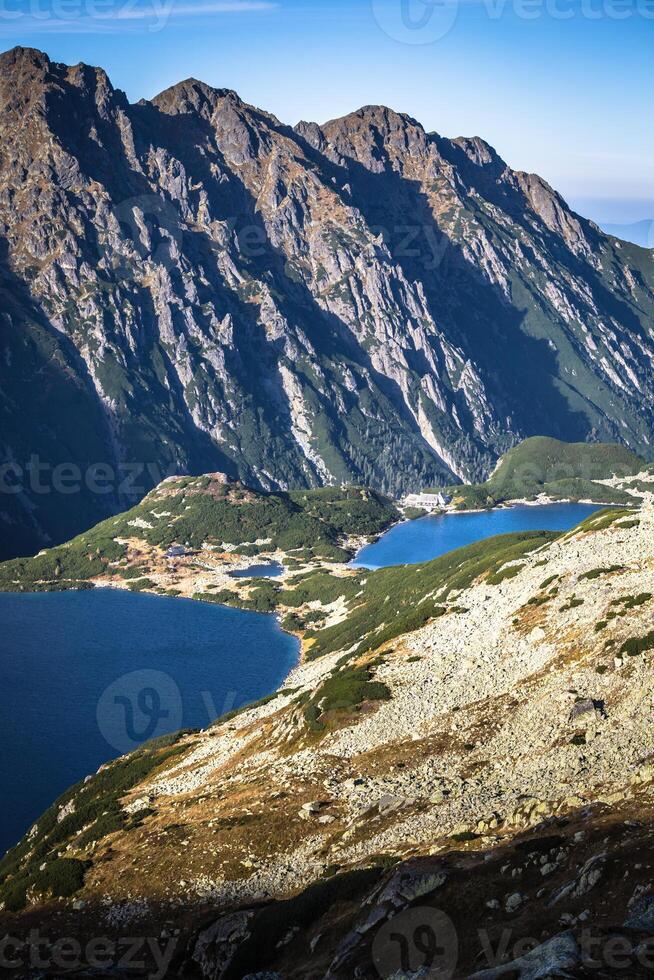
column 541, row 460
column 210, row 512
column 557, row 470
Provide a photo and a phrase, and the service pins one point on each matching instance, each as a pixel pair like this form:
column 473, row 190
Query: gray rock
column 513, row 902
column 588, row 877
column 215, row 947
column 554, row 958
column 641, row 916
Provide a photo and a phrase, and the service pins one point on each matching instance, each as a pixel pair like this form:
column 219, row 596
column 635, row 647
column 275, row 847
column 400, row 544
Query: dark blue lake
column 87, row 676
column 429, row 537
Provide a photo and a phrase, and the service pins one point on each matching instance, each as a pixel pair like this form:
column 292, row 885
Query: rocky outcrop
column 196, row 286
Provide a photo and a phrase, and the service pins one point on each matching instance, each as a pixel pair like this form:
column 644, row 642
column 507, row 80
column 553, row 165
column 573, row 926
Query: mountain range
column 189, row 285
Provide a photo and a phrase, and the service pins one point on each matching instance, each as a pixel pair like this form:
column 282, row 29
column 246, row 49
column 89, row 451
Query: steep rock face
column 188, row 284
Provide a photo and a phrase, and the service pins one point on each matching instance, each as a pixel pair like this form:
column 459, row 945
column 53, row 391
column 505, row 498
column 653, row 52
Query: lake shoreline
column 517, row 502
column 76, row 703
column 431, row 536
column 197, row 578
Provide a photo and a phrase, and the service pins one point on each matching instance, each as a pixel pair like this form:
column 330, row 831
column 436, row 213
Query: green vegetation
column 268, row 699
column 505, row 573
column 598, row 572
column 542, row 460
column 561, row 470
column 84, row 814
column 573, row 603
column 198, row 510
column 388, row 602
column 62, row 878
column 541, row 600
column 602, row 520
column 141, row 584
column 632, row 601
column 638, row 645
column 134, row 571
column 85, row 557
column 345, row 689
column 413, row 513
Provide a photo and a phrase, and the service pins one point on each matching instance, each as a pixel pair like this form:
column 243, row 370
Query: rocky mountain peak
column 312, row 133
column 553, row 210
column 20, row 58
column 23, row 74
column 193, row 96
column 44, row 105
column 375, row 136
column 481, row 153
column 27, row 71
column 379, row 117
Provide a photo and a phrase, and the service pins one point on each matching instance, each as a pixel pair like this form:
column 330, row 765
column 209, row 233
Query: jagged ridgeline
column 196, row 286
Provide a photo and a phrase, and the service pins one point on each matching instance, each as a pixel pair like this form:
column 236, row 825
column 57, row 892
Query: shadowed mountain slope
column 190, row 285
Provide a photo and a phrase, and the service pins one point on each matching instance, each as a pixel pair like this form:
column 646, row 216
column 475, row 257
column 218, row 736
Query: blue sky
column 560, row 87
